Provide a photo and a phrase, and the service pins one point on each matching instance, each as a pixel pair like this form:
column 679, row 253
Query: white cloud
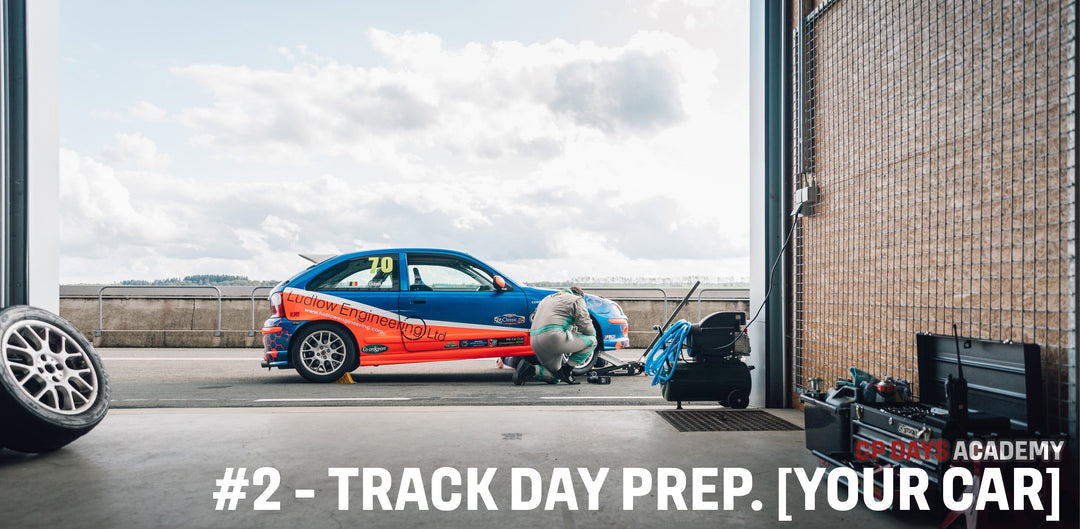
column 146, row 111
column 281, row 228
column 135, row 151
column 117, row 226
column 99, row 211
column 140, row 111
column 484, row 102
column 557, row 159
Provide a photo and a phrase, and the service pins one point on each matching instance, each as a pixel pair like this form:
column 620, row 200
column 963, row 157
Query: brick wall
column 942, row 137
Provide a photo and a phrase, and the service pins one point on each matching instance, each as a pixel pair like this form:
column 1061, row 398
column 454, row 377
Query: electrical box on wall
column 806, row 197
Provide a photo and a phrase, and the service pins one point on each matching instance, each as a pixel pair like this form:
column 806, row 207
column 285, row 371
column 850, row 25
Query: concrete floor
column 159, row 468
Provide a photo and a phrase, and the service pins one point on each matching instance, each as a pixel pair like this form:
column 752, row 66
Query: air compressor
column 712, row 368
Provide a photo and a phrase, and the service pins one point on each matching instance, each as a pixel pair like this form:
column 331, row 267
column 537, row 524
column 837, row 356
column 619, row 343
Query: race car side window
column 373, row 272
column 447, row 274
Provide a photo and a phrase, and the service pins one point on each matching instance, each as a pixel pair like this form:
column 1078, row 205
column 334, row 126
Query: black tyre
column 737, row 399
column 53, row 386
column 323, row 352
column 590, row 363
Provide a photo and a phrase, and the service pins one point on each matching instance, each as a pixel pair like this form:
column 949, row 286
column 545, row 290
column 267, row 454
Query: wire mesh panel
column 942, row 138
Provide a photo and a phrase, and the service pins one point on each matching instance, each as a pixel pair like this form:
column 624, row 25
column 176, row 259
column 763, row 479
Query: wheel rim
column 49, row 367
column 322, row 352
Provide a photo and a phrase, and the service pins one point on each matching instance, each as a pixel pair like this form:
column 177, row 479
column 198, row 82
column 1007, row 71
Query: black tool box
column 1004, row 397
column 1004, row 378
column 908, row 422
column 1004, row 400
column 827, row 419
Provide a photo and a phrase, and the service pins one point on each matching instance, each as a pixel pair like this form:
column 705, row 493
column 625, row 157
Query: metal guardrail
column 253, row 329
column 254, row 290
column 633, row 289
column 665, row 294
column 100, row 296
column 702, row 291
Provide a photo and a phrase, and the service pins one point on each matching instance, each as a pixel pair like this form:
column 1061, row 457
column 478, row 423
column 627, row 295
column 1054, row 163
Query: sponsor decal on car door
column 376, row 330
column 453, row 308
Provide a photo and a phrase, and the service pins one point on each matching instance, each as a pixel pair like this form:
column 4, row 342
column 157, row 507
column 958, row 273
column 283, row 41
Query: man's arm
column 582, row 319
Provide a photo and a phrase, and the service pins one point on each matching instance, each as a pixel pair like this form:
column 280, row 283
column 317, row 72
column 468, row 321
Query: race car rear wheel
column 53, row 386
column 323, row 352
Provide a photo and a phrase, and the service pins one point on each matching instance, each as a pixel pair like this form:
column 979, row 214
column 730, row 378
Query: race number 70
column 386, row 264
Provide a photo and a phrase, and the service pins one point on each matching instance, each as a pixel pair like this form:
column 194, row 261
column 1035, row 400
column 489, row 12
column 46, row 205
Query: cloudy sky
column 554, row 139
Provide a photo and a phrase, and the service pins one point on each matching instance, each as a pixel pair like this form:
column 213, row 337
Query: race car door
column 453, row 308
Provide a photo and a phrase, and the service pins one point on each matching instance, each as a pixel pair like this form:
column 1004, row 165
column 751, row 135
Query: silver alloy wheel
column 322, row 352
column 50, row 367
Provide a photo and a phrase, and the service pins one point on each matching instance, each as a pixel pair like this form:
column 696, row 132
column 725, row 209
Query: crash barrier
column 254, row 330
column 228, row 316
column 101, row 293
column 641, row 304
column 601, row 290
column 732, row 296
column 728, row 298
column 163, row 316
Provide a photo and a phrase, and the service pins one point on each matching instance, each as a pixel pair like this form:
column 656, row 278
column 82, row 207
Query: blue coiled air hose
column 660, row 360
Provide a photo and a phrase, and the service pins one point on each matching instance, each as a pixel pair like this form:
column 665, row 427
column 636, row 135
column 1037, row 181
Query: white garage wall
column 43, row 121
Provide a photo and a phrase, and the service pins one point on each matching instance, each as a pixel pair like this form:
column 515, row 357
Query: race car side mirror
column 500, row 284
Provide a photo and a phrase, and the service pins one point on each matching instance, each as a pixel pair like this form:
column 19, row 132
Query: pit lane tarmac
column 216, row 378
column 152, row 466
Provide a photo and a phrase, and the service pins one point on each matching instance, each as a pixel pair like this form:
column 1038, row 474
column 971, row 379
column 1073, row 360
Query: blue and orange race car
column 408, row 305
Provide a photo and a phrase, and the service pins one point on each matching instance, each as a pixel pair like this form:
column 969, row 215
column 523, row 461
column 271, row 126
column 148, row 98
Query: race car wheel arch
column 323, row 351
column 53, row 385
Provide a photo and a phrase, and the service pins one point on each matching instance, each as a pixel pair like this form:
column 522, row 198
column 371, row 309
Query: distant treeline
column 218, row 280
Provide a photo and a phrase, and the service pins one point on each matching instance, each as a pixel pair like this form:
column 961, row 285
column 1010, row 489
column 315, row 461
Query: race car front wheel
column 584, row 365
column 322, row 352
column 53, row 387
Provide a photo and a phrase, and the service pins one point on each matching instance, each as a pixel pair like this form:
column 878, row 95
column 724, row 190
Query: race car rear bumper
column 276, row 343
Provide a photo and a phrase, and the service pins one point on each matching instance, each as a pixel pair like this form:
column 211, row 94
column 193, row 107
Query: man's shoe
column 522, row 372
column 566, row 375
